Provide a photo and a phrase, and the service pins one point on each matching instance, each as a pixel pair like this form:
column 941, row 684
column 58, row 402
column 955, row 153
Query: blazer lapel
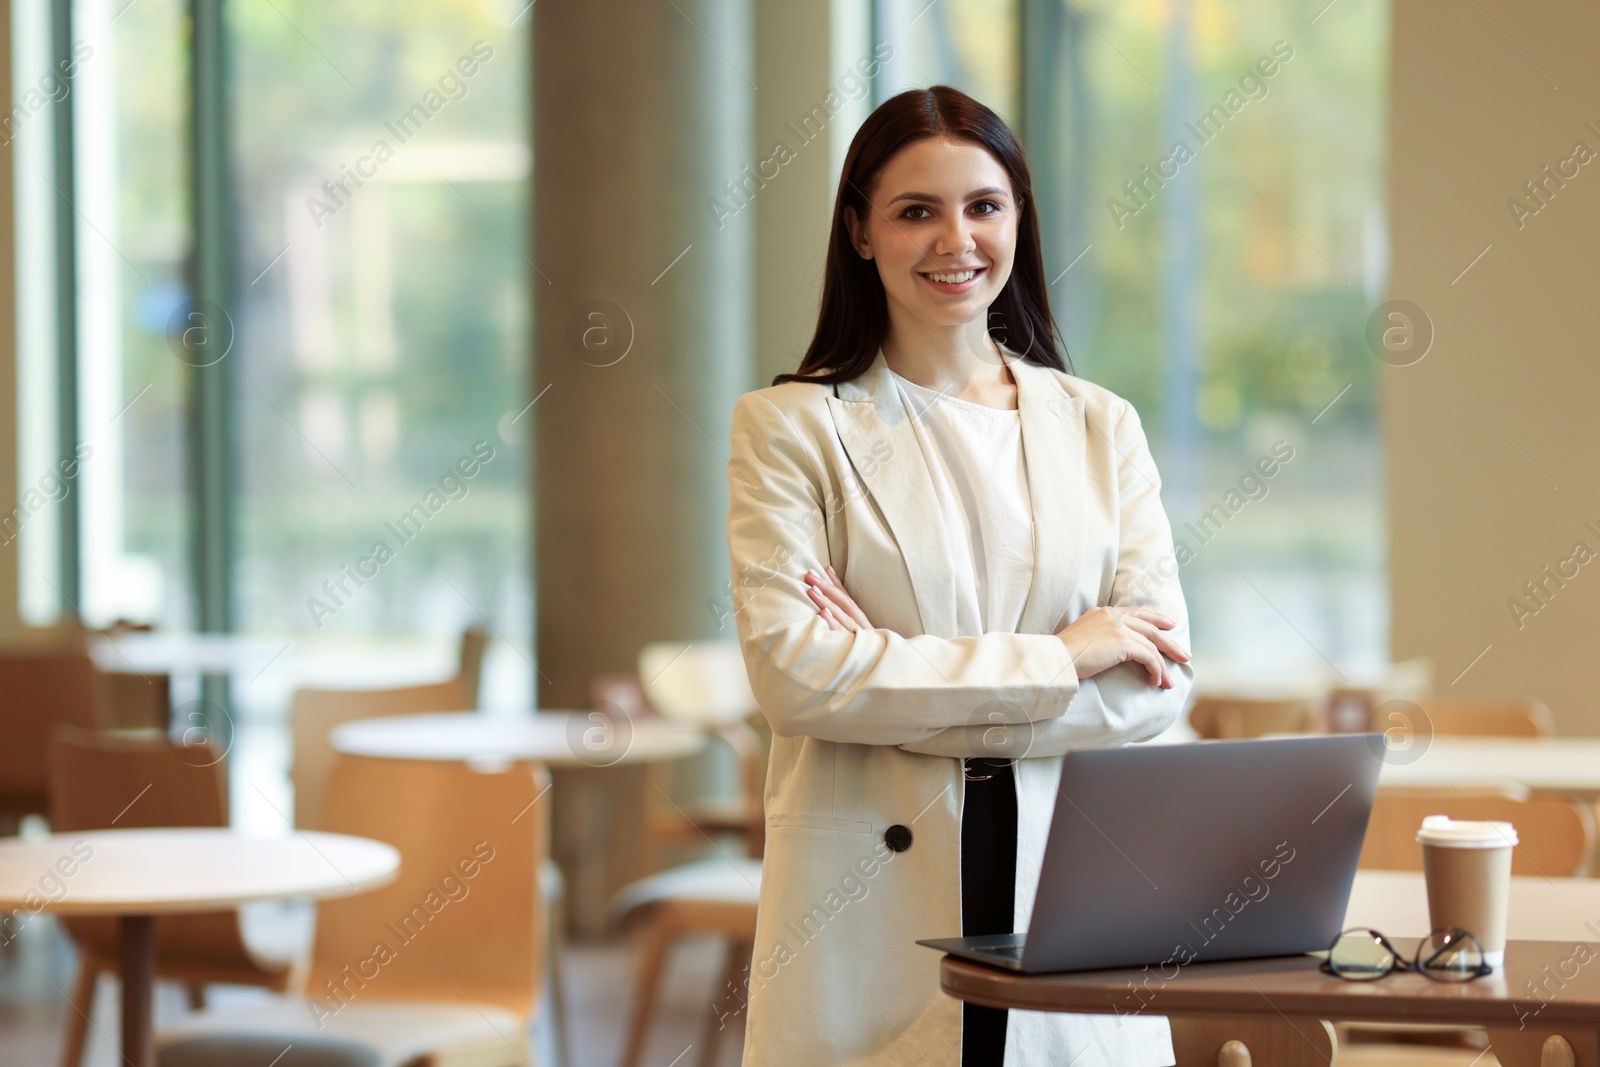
column 868, row 413
column 1053, row 447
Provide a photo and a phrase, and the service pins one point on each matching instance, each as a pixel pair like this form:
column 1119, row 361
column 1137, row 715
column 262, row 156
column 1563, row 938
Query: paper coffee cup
column 1467, row 866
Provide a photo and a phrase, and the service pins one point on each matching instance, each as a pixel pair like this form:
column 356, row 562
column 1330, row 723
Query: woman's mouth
column 953, row 281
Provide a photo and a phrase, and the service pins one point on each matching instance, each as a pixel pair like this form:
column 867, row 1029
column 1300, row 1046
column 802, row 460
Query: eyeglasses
column 1363, row 955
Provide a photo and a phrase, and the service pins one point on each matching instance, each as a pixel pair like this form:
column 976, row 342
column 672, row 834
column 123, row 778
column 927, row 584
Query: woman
column 950, row 566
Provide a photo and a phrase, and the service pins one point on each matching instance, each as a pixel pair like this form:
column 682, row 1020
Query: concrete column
column 642, row 344
column 814, row 58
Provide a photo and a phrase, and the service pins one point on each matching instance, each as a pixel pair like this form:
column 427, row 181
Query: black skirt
column 988, row 890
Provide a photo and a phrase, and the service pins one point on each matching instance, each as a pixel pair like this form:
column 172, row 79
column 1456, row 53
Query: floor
column 36, row 972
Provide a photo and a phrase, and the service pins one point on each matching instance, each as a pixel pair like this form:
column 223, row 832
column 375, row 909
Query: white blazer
column 870, row 727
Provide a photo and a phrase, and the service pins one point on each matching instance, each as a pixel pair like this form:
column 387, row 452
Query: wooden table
column 1547, row 918
column 1294, row 988
column 1564, row 765
column 139, row 874
column 557, row 738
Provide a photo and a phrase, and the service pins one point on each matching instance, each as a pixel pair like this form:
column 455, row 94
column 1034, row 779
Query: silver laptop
column 1164, row 855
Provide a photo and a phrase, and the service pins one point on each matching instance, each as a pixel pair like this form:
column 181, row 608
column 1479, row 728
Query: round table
column 1566, row 765
column 557, row 738
column 136, row 875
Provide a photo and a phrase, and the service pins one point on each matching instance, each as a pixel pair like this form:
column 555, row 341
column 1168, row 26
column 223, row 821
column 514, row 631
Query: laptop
column 1163, row 855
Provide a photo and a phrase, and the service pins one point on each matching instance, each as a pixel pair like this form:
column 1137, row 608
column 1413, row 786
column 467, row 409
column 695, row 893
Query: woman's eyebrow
column 929, row 198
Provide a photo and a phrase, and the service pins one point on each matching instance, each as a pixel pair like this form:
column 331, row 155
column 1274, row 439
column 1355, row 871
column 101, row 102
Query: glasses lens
column 1451, row 956
column 1360, row 955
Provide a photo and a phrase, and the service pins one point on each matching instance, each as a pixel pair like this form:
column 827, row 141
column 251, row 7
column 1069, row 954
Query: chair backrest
column 314, row 713
column 1554, row 835
column 43, row 687
column 140, row 700
column 699, row 682
column 474, row 644
column 1524, row 717
column 465, row 918
column 105, row 779
column 1352, row 704
column 1234, row 718
column 705, row 683
column 135, row 779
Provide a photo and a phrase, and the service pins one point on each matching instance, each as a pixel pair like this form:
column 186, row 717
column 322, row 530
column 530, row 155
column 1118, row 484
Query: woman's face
column 942, row 229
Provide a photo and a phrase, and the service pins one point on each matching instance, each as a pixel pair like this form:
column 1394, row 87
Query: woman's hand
column 1103, row 637
column 827, row 593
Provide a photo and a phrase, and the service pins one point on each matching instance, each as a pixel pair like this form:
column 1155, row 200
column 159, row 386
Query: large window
column 123, row 76
column 1209, row 178
column 381, row 162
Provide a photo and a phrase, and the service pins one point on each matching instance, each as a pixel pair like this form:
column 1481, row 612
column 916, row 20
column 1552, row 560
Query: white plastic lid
column 1451, row 833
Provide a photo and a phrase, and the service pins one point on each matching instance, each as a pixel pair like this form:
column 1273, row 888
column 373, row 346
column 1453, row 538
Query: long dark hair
column 855, row 315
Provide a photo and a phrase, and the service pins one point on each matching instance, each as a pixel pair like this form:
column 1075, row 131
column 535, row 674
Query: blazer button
column 897, row 837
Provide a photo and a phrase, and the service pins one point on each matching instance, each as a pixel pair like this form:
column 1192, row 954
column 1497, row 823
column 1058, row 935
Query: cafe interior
column 369, row 655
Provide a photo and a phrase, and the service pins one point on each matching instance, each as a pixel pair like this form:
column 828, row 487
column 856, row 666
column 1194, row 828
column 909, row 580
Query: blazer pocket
column 818, row 822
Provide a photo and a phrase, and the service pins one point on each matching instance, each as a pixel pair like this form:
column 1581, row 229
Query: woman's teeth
column 956, row 278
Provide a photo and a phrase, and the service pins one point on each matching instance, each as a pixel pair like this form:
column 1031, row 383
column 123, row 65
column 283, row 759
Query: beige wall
column 1493, row 436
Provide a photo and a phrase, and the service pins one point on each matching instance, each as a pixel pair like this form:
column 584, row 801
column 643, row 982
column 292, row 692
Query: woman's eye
column 908, row 213
column 986, row 207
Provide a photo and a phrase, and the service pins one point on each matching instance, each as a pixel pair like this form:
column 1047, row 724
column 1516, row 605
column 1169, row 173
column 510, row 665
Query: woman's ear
column 858, row 233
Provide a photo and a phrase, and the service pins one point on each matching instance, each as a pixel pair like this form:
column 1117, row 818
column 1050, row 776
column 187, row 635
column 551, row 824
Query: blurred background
column 281, row 273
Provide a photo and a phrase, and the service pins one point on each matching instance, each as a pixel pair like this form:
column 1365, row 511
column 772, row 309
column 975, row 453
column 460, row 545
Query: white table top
column 166, row 871
column 558, row 738
column 1542, row 909
column 185, row 653
column 1554, row 764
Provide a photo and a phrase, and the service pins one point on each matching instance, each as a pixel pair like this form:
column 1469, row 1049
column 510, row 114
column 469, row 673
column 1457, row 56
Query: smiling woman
column 970, row 587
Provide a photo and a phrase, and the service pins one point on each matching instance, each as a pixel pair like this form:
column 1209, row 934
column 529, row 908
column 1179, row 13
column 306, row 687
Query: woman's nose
column 955, row 239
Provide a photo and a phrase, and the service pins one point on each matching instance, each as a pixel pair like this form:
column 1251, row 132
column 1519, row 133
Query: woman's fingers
column 831, row 612
column 1143, row 651
column 1163, row 640
column 838, row 598
column 1151, row 615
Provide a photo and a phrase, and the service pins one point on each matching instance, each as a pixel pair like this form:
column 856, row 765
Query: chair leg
column 655, row 940
column 80, row 1009
column 197, row 996
column 732, row 983
column 558, row 996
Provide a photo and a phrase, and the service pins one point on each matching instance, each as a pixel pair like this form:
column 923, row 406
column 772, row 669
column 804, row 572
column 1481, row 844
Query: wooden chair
column 714, row 897
column 43, row 686
column 1351, row 704
column 1235, row 718
column 1555, row 836
column 474, row 645
column 705, row 684
column 139, row 700
column 1516, row 717
column 314, row 713
column 1223, row 1041
column 439, row 967
column 101, row 779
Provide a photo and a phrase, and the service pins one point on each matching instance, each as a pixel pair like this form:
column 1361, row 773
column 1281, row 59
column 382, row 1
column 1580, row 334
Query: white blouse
column 981, row 480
